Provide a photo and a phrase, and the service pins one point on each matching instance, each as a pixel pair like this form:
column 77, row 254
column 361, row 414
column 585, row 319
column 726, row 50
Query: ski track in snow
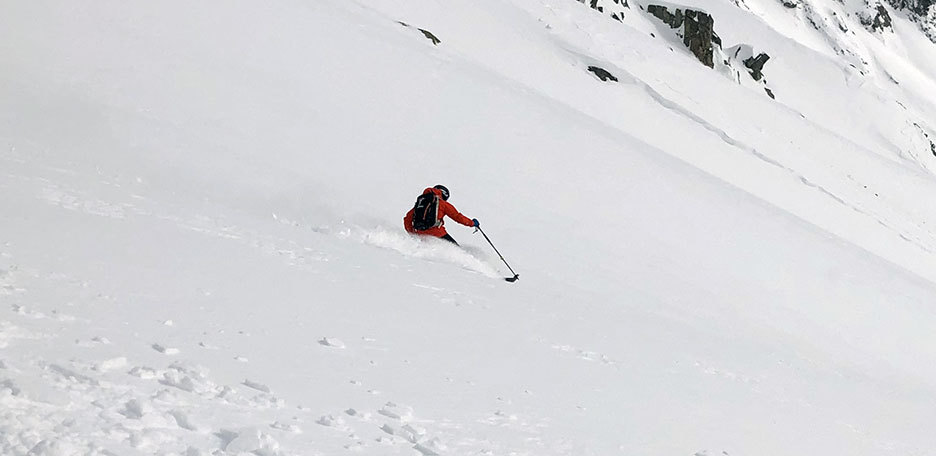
column 467, row 257
column 148, row 394
column 105, row 404
column 101, row 404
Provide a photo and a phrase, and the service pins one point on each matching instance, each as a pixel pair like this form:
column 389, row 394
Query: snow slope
column 202, row 249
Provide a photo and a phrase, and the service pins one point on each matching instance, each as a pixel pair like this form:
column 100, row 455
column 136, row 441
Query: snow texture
column 704, row 270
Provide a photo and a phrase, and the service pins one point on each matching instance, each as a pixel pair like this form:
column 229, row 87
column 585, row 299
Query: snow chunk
column 184, row 420
column 135, row 409
column 331, row 342
column 392, row 410
column 165, row 350
column 257, row 386
column 432, row 447
column 286, row 427
column 111, row 364
column 330, row 421
column 146, row 373
column 249, row 441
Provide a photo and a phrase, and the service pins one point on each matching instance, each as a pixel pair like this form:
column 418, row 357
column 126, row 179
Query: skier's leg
column 448, row 238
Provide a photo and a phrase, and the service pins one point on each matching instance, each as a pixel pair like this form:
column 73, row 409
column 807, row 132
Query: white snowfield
column 202, row 252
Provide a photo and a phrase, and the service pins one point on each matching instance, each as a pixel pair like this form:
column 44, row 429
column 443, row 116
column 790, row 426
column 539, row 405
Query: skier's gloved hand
column 477, row 224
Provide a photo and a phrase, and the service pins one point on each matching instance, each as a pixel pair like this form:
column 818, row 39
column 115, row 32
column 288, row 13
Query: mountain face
column 721, row 213
column 858, row 37
column 921, row 11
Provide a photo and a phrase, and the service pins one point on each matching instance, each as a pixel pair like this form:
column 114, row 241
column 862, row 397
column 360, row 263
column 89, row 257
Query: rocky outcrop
column 741, row 58
column 429, row 36
column 925, row 136
column 674, row 19
column 920, row 8
column 756, row 65
column 699, row 36
column 602, row 74
column 923, row 12
column 697, row 29
column 613, row 8
column 876, row 19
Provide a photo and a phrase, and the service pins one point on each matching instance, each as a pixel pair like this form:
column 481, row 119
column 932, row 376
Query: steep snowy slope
column 202, row 249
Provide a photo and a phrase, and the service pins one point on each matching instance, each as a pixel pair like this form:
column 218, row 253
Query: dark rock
column 920, row 11
column 663, row 14
column 602, row 74
column 880, row 20
column 698, row 30
column 789, row 3
column 756, row 65
column 926, row 137
column 597, row 6
column 841, row 25
column 425, row 33
column 918, row 7
column 770, row 93
column 612, row 8
column 430, row 36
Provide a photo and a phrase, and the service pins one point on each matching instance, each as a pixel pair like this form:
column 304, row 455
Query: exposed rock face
column 699, row 36
column 602, row 74
column 429, row 36
column 882, row 19
column 613, row 8
column 919, row 7
column 698, row 30
column 674, row 20
column 741, row 57
column 877, row 19
column 756, row 65
column 923, row 12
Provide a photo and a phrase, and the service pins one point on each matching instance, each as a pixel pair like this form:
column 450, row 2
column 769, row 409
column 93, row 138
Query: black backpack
column 426, row 212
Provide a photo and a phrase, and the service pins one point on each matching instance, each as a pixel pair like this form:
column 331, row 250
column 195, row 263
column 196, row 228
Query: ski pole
column 515, row 275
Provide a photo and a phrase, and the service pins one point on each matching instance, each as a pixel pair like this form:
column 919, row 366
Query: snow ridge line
column 731, row 141
column 671, row 105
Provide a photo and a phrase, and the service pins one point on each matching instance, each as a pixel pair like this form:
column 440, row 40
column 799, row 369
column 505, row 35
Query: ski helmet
column 445, row 192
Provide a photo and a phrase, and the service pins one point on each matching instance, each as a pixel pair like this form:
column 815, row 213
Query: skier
column 425, row 218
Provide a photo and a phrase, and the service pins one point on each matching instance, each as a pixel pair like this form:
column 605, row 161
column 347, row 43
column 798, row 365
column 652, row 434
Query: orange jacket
column 445, row 208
